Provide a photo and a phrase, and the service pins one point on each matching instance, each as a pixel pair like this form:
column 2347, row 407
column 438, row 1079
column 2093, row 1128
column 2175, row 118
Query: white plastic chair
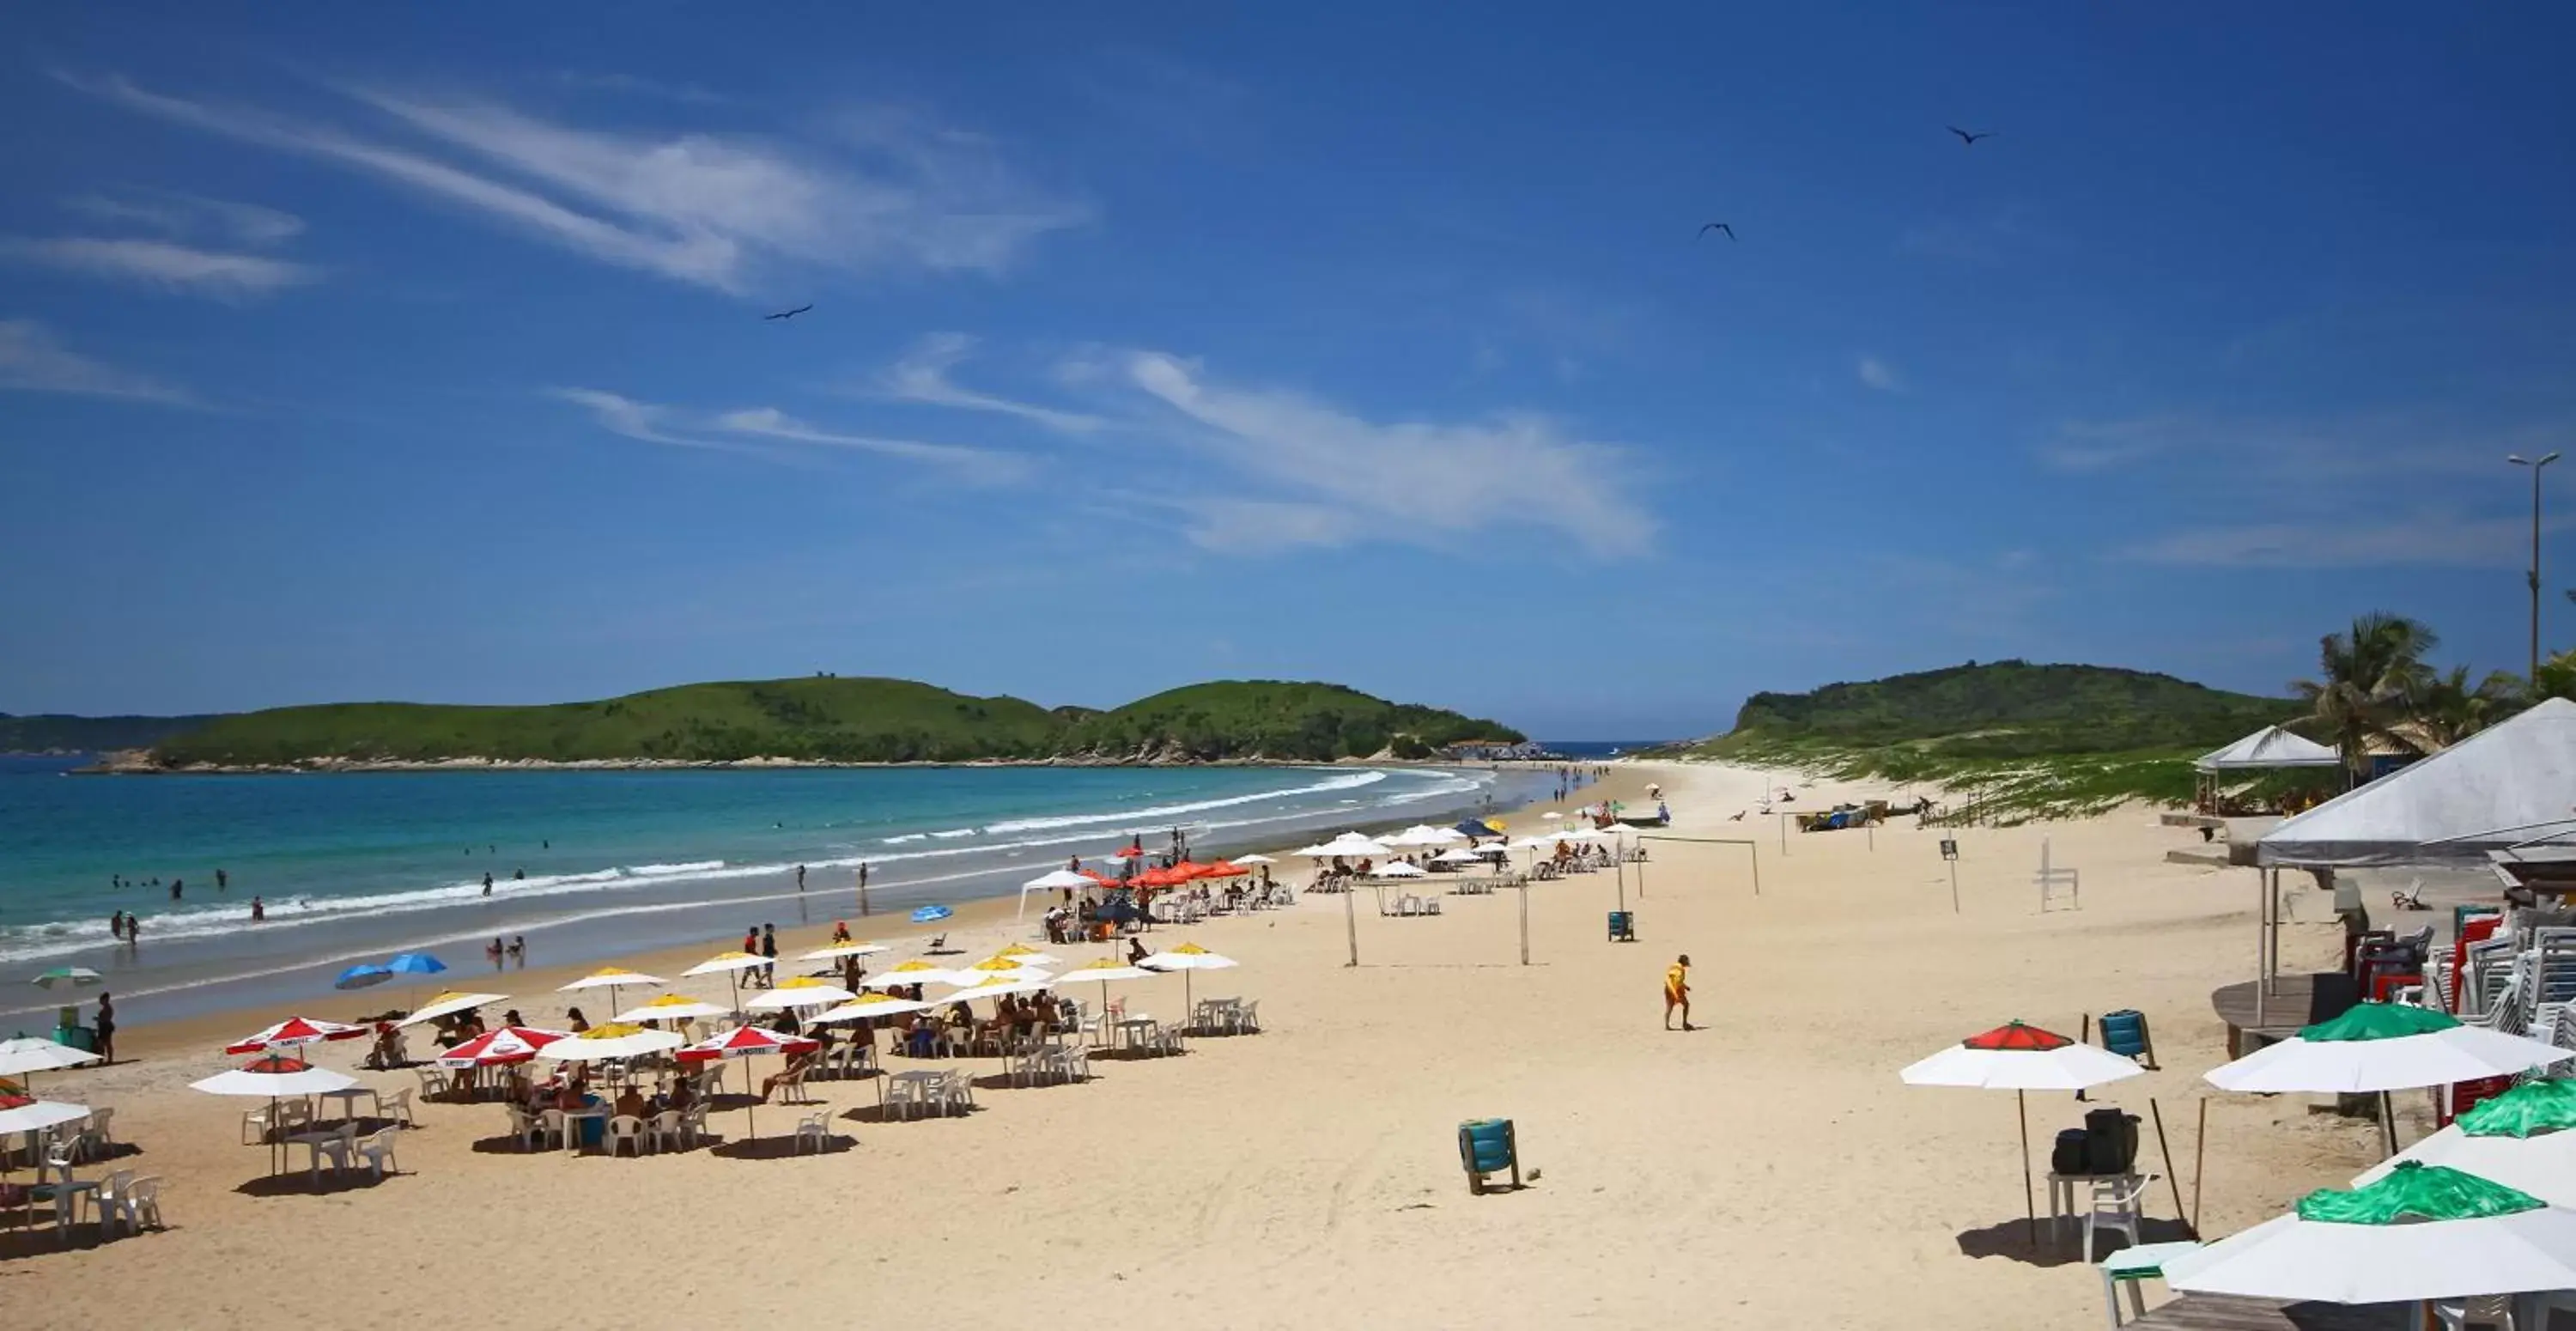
column 140, row 1204
column 2484, row 1310
column 397, row 1107
column 107, row 1200
column 340, row 1149
column 2117, row 1204
column 551, row 1129
column 94, row 1141
column 815, row 1128
column 665, row 1130
column 378, row 1151
column 434, row 1083
column 628, row 1131
column 693, row 1123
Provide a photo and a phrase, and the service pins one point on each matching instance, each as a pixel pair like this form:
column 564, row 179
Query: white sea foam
column 59, row 938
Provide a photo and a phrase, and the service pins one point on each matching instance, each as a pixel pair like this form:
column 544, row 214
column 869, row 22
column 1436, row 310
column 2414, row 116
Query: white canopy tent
column 1055, row 880
column 2269, row 747
column 2506, row 786
column 2509, row 786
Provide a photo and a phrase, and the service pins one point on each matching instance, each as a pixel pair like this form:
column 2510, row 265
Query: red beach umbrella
column 293, row 1032
column 743, row 1042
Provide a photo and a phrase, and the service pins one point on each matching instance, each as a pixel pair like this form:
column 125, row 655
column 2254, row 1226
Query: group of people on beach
column 178, row 886
column 515, row 950
column 762, row 942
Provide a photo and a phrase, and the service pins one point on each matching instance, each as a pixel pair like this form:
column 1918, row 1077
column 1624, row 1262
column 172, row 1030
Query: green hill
column 1268, row 718
column 89, row 734
column 2009, row 739
column 2010, row 709
column 826, row 719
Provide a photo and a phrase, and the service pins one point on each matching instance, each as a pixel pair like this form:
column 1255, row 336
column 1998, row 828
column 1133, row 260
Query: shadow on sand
column 2060, row 1244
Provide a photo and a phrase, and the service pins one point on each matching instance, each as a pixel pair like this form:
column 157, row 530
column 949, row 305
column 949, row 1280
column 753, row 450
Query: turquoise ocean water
column 353, row 867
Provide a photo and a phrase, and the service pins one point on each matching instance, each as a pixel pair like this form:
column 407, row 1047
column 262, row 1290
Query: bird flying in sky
column 1970, row 139
column 787, row 314
column 1718, row 226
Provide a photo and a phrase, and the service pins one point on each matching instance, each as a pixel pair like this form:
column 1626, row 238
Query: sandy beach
column 1768, row 1170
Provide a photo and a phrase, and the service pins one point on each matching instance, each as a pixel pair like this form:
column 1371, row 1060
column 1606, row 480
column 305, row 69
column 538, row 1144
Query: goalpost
column 1752, row 849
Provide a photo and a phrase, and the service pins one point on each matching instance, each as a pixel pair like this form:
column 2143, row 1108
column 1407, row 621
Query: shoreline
column 973, row 918
column 368, row 766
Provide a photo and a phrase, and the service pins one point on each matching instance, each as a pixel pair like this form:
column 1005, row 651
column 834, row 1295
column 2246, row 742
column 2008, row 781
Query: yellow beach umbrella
column 449, row 1004
column 672, row 1007
column 912, row 972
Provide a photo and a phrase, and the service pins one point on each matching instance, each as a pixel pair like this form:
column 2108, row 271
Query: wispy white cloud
column 713, row 210
column 2103, row 445
column 2422, row 539
column 1426, row 482
column 922, row 376
column 737, row 431
column 1875, row 373
column 638, row 86
column 32, row 362
column 979, row 465
column 167, row 265
column 190, row 215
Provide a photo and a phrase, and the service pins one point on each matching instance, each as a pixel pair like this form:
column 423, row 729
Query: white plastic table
column 2136, row 1265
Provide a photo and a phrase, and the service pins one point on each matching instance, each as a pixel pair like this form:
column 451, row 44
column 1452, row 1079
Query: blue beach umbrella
column 415, row 963
column 362, row 977
column 931, row 914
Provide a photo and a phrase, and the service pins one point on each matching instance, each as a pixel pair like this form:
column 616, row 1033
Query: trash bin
column 1623, row 926
column 78, row 1037
column 1488, row 1146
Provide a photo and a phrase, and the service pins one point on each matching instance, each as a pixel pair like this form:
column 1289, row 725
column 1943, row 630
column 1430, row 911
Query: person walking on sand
column 1677, row 992
column 106, row 1028
column 769, row 949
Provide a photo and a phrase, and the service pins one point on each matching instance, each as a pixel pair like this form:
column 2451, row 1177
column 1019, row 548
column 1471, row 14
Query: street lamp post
column 2520, row 461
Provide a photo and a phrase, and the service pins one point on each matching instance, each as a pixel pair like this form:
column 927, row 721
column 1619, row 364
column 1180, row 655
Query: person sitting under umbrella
column 796, row 1066
column 630, row 1103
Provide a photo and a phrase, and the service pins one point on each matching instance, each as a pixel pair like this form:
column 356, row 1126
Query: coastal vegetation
column 833, row 719
column 2012, row 741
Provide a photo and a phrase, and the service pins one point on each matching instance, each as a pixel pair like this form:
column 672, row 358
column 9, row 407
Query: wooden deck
column 2216, row 1312
column 2298, row 1000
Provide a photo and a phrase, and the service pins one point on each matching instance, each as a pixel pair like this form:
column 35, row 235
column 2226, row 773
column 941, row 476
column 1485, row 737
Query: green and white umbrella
column 2384, row 1047
column 2423, row 1232
column 2521, row 1139
column 70, row 977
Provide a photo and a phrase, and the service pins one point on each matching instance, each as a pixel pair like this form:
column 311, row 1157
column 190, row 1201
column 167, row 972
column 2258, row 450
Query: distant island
column 822, row 720
column 2024, row 740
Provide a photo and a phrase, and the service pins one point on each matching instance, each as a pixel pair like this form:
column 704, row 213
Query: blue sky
column 347, row 353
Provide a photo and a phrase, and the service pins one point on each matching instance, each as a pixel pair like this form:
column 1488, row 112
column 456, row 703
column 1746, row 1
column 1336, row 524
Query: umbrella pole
column 2199, row 1158
column 2030, row 1209
column 2172, row 1179
column 2388, row 1122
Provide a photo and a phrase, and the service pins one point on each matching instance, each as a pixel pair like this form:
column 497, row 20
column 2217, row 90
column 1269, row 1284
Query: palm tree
column 2557, row 679
column 2441, row 710
column 2363, row 681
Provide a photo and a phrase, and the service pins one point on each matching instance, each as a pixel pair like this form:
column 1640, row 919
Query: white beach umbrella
column 1186, row 958
column 1029, row 956
column 868, row 1006
column 449, row 1004
column 1537, row 843
column 19, row 1114
column 2524, row 1139
column 1104, row 970
column 839, row 950
column 274, row 1076
column 997, row 987
column 294, row 1033
column 1057, row 880
column 33, row 1053
column 727, row 962
column 1254, row 859
column 498, row 1048
column 1461, row 855
column 612, row 979
column 2384, row 1047
column 2020, row 1058
column 802, row 991
column 617, row 1039
column 910, row 972
column 673, row 1007
column 1398, row 869
column 2422, row 1232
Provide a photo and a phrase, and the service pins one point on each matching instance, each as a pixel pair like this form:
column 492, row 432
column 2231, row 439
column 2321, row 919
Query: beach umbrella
column 998, row 986
column 69, row 977
column 496, row 1048
column 1028, row 956
column 732, row 965
column 271, row 1078
column 1056, row 880
column 839, row 950
column 1008, row 968
column 2422, row 1232
column 910, row 972
column 1226, row 869
column 614, row 1039
column 931, row 914
column 1458, row 855
column 449, row 1004
column 612, row 979
column 673, row 1007
column 295, row 1032
column 34, row 1053
column 2520, row 1139
column 2021, row 1059
column 802, row 991
column 868, row 1005
column 1254, row 859
column 2384, row 1047
column 1357, row 846
column 19, row 1113
column 1186, row 958
column 361, row 977
column 743, row 1042
column 415, row 963
column 1398, row 869
column 1104, row 970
